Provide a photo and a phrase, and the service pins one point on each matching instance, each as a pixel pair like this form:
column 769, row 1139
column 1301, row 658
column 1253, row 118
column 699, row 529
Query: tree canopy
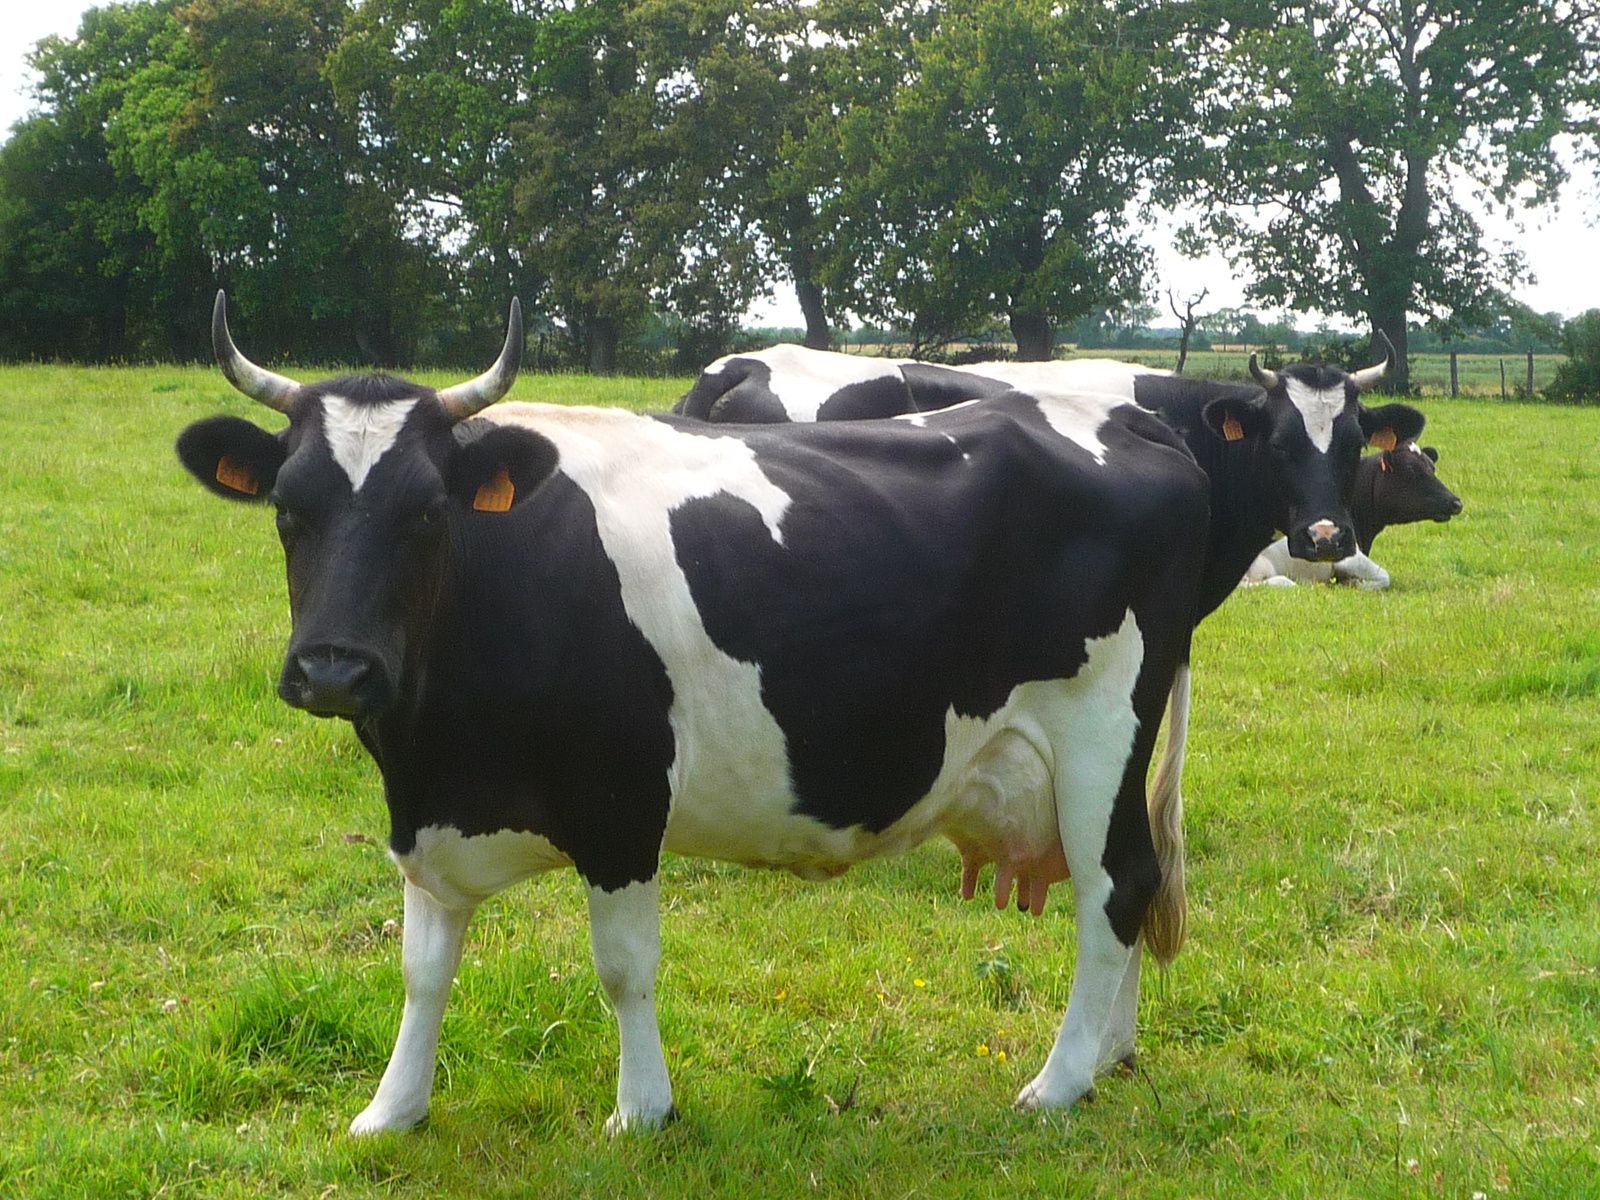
column 372, row 180
column 1352, row 145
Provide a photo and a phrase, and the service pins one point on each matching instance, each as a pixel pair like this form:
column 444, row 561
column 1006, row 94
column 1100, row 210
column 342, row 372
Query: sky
column 1561, row 243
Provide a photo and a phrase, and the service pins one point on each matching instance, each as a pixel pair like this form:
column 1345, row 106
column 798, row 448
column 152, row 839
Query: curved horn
column 273, row 390
column 464, row 399
column 1267, row 379
column 1368, row 376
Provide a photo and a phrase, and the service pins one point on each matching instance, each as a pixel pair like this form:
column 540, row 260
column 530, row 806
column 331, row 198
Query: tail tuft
column 1166, row 921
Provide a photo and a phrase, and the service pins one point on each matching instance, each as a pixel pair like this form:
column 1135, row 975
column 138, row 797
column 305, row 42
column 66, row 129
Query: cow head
column 1407, row 487
column 372, row 481
column 1308, row 427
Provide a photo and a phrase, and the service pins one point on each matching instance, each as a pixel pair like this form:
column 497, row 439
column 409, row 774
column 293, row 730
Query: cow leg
column 431, row 952
column 625, row 933
column 1117, row 1045
column 1112, row 713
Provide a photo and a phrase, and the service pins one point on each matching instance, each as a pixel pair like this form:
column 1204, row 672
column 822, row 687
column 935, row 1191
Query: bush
column 1577, row 380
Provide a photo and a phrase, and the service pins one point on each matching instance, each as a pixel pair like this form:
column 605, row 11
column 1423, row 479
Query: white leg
column 625, row 932
column 1069, row 1071
column 1117, row 1046
column 1100, row 725
column 431, row 952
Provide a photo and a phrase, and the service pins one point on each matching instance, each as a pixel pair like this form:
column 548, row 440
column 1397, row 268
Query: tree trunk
column 809, row 293
column 1391, row 321
column 603, row 339
column 1034, row 336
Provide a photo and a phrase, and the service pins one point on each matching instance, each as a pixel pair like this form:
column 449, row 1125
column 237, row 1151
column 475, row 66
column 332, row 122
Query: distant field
column 1392, row 987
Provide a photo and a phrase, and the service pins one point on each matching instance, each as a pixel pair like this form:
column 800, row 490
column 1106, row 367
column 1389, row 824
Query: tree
column 78, row 267
column 1577, row 380
column 985, row 165
column 1188, row 321
column 1370, row 130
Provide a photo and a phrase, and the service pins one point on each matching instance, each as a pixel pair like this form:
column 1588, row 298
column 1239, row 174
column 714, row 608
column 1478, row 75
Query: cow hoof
column 619, row 1123
column 1040, row 1097
column 374, row 1120
column 1122, row 1060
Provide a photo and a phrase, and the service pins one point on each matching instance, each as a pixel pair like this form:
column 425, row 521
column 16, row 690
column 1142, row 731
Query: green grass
column 1392, row 986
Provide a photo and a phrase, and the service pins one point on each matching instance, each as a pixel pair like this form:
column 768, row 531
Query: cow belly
column 994, row 795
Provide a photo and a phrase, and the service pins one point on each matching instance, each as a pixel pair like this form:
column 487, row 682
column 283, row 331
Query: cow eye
column 289, row 523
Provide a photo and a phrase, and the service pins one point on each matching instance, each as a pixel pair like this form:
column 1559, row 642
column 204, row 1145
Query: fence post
column 1530, row 372
column 1502, row 379
column 1455, row 388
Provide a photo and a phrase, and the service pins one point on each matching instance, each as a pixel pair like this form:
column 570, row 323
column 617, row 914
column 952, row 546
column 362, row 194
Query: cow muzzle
column 328, row 681
column 1322, row 541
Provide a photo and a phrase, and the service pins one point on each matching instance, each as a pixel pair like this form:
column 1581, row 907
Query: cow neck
column 1239, row 529
column 1364, row 507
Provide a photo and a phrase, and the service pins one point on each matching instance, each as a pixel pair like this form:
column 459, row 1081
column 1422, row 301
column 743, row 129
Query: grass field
column 1391, row 989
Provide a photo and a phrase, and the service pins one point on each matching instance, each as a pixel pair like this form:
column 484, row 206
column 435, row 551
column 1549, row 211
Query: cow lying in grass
column 1396, row 487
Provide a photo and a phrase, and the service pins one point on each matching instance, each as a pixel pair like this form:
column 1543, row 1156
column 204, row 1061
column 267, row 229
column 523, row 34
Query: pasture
column 1391, row 988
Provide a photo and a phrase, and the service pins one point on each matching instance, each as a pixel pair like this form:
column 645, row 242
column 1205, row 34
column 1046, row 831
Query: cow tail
column 1166, row 921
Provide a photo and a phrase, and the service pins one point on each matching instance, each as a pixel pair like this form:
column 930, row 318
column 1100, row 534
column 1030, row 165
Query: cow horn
column 464, row 399
column 1267, row 379
column 1368, row 376
column 274, row 390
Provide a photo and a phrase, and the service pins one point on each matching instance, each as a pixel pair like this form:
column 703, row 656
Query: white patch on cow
column 1066, row 375
column 921, row 419
column 360, row 434
column 1275, row 567
column 1318, row 408
column 1079, row 416
column 803, row 379
column 636, row 471
column 459, row 870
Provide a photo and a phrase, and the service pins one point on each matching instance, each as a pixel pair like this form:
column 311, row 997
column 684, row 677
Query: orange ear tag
column 231, row 473
column 1384, row 439
column 1231, row 429
column 496, row 495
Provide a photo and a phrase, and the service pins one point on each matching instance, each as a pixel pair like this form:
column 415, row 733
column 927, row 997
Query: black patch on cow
column 867, row 399
column 540, row 707
column 911, row 582
column 932, row 387
column 740, row 393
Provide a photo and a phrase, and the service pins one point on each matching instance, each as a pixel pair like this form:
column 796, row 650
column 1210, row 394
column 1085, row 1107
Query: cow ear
column 496, row 467
column 1234, row 418
column 233, row 457
column 1391, row 425
column 1433, row 455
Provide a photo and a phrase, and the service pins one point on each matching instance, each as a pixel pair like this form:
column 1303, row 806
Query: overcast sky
column 1562, row 245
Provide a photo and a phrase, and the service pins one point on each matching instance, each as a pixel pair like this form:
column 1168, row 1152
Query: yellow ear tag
column 231, row 473
column 1384, row 439
column 496, row 495
column 1231, row 429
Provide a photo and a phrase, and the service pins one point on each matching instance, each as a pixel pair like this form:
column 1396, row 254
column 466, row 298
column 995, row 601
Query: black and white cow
column 582, row 637
column 1280, row 456
column 1395, row 487
column 793, row 383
